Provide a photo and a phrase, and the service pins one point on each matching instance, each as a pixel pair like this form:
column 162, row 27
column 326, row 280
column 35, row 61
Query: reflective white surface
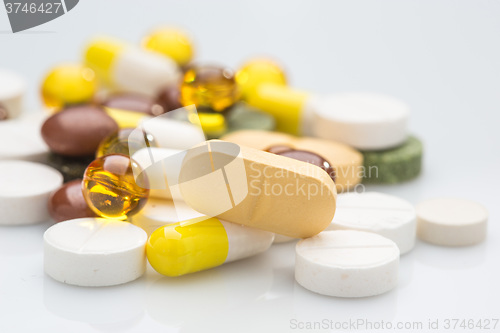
column 441, row 57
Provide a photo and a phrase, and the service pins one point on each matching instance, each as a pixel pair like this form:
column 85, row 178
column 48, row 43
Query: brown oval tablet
column 77, row 130
column 309, row 157
column 134, row 102
column 68, row 202
column 169, row 98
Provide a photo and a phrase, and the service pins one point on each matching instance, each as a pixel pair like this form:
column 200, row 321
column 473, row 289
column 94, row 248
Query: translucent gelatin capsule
column 209, row 87
column 119, row 143
column 110, row 189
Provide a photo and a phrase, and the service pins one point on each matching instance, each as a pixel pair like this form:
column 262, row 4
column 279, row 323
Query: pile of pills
column 279, row 165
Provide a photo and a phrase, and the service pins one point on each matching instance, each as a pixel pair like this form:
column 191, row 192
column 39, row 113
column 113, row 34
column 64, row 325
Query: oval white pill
column 12, row 88
column 451, row 222
column 364, row 121
column 94, row 252
column 25, row 188
column 383, row 214
column 21, row 139
column 347, row 263
column 159, row 212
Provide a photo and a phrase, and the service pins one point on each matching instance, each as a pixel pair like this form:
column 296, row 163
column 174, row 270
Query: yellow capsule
column 172, row 42
column 258, row 71
column 209, row 87
column 120, row 143
column 125, row 118
column 287, row 106
column 68, row 84
column 195, row 245
column 213, row 124
column 110, row 190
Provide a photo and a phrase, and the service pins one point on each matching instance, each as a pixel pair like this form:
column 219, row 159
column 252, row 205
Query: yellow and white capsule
column 128, row 68
column 195, row 245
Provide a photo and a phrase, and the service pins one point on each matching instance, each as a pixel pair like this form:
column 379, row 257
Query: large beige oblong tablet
column 347, row 162
column 257, row 189
column 94, row 252
column 451, row 222
column 347, row 263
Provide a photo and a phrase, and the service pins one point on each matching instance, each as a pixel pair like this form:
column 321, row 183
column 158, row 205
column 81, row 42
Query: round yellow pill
column 171, row 42
column 258, row 71
column 68, row 84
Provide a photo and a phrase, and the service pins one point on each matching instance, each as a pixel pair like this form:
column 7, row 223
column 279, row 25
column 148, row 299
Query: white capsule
column 130, row 68
column 94, row 252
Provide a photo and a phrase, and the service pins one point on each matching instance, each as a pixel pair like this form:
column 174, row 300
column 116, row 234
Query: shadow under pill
column 20, row 240
column 197, row 297
column 98, row 306
column 446, row 257
column 310, row 306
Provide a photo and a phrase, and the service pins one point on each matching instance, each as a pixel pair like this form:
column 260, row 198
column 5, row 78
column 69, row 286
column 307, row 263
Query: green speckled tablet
column 394, row 165
column 244, row 117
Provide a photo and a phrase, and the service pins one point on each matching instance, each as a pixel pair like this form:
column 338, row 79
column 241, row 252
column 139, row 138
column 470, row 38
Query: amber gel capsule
column 110, row 189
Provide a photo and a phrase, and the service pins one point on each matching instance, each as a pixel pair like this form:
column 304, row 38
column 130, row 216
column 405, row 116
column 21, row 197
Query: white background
column 441, row 57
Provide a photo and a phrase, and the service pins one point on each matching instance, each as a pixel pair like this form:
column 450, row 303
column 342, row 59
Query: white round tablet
column 94, row 252
column 364, row 121
column 347, row 263
column 12, row 88
column 282, row 239
column 383, row 214
column 21, row 139
column 25, row 188
column 451, row 222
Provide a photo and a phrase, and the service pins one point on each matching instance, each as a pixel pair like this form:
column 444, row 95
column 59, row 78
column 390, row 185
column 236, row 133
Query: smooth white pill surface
column 94, row 252
column 364, row 121
column 282, row 239
column 21, row 139
column 144, row 72
column 25, row 188
column 12, row 88
column 384, row 214
column 451, row 222
column 159, row 212
column 347, row 263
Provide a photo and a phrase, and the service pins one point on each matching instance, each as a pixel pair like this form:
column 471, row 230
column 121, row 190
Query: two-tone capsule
column 195, row 245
